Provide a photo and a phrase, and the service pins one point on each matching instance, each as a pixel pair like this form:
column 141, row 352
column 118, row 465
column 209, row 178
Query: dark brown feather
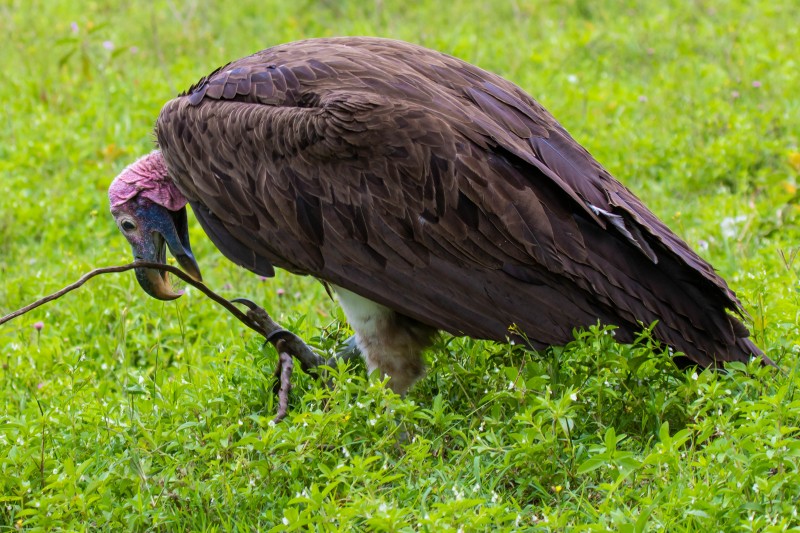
column 437, row 189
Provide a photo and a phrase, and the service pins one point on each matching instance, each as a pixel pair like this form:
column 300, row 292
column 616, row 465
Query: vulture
column 428, row 193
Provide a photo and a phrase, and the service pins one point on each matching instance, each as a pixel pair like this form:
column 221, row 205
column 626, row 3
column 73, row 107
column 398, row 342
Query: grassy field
column 123, row 413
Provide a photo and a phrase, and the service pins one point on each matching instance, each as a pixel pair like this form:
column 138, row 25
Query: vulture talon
column 283, row 384
column 274, row 336
column 287, row 344
column 247, row 303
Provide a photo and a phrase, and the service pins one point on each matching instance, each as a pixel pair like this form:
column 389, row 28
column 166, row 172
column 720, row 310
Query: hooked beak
column 162, row 228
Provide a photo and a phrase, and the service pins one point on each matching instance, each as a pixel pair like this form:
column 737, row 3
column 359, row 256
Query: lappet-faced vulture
column 430, row 194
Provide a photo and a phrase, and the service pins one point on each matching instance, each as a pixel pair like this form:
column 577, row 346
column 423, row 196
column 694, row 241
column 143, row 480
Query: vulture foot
column 290, row 345
column 349, row 352
column 346, row 354
column 287, row 344
column 273, row 333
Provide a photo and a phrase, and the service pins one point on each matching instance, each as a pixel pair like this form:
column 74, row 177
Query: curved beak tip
column 156, row 284
column 189, row 265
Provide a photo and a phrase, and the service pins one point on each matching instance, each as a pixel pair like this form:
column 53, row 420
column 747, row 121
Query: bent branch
column 286, row 343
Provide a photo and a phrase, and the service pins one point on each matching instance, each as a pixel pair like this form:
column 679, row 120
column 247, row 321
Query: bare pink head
column 151, row 212
column 147, row 176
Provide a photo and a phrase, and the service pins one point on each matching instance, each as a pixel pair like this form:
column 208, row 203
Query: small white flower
column 573, row 397
column 694, row 376
column 728, row 226
column 572, row 78
column 755, row 488
column 285, row 521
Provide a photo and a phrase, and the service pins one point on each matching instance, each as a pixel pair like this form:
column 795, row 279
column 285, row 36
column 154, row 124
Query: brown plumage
column 438, row 190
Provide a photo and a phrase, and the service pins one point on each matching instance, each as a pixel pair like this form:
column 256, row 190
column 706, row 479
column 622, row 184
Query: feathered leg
column 389, row 342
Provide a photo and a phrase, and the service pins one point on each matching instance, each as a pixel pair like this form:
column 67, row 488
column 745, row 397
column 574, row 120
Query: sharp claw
column 277, row 333
column 247, row 303
column 253, row 307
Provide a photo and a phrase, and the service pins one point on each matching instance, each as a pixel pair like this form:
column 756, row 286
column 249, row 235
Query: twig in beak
column 286, row 343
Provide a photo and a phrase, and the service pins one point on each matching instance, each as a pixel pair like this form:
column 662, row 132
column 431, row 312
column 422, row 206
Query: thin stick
column 287, row 343
column 71, row 287
column 175, row 271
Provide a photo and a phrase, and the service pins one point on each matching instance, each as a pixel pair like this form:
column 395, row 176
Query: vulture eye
column 127, row 225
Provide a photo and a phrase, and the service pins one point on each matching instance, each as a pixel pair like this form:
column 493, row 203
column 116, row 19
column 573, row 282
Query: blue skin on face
column 150, row 228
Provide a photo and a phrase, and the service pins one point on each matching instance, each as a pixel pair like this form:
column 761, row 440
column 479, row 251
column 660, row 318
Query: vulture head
column 150, row 212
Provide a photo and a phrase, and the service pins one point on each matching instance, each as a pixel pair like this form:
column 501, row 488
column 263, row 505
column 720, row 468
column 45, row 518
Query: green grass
column 124, row 413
